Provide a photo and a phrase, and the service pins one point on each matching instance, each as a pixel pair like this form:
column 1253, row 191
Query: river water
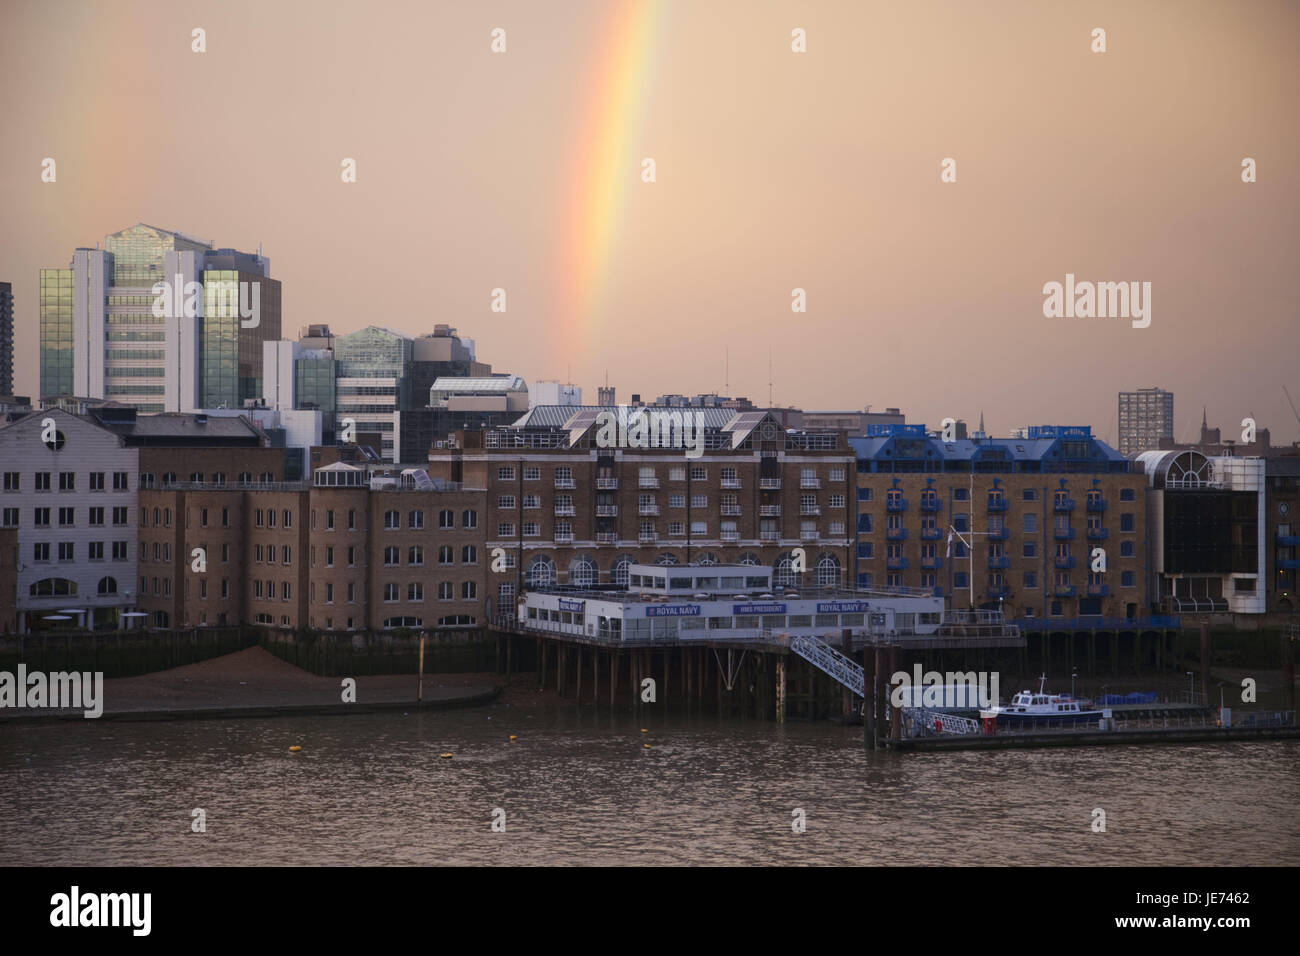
column 584, row 789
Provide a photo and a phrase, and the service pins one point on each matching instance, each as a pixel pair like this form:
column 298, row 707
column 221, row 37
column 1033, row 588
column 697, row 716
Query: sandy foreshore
column 254, row 682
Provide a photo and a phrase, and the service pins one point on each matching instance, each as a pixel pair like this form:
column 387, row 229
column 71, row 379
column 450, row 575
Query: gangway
column 923, row 722
column 827, row 659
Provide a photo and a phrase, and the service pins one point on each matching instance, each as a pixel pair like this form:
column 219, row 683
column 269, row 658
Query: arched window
column 749, row 558
column 53, row 587
column 786, row 576
column 582, row 571
column 540, row 573
column 618, row 573
column 108, row 585
column 707, row 558
column 828, row 571
column 667, row 560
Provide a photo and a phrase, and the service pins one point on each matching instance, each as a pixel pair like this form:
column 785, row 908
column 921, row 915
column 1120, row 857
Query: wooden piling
column 896, row 713
column 780, row 689
column 869, row 655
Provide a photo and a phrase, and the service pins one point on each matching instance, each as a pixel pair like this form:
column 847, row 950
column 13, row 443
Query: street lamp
column 1191, row 699
column 1073, row 674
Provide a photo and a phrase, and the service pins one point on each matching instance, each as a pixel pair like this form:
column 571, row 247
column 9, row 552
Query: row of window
column 995, row 497
column 65, row 587
column 995, row 523
column 563, row 473
column 147, row 479
column 415, row 519
column 43, row 481
column 67, row 550
column 10, row 517
column 1029, row 549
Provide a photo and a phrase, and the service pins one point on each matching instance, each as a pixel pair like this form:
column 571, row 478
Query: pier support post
column 869, row 700
column 1205, row 662
column 846, row 695
column 780, row 689
column 613, row 679
column 541, row 661
column 578, row 695
column 896, row 713
column 1289, row 642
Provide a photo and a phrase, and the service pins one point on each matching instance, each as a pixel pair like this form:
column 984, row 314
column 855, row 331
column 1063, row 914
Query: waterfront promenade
column 255, row 683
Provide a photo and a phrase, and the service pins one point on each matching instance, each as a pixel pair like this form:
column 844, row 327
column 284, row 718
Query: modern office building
column 6, row 338
column 554, row 393
column 110, row 330
column 1146, row 418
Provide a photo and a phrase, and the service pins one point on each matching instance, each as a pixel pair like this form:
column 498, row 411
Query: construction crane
column 1291, row 403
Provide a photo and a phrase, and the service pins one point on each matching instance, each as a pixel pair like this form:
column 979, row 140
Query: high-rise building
column 158, row 320
column 6, row 338
column 1145, row 417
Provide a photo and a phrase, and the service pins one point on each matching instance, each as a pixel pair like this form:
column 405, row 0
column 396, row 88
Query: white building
column 553, row 393
column 69, row 487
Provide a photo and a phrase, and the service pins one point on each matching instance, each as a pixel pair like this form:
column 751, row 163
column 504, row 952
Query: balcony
column 565, row 483
column 896, row 564
column 1288, row 541
column 730, row 535
column 931, row 564
column 931, row 534
column 648, row 482
column 648, row 537
column 998, row 593
column 998, row 534
column 1098, row 590
column 1289, row 564
column 896, row 504
column 565, row 511
column 1096, row 504
column 931, row 504
column 1064, row 563
column 997, row 505
column 606, row 537
column 1063, row 534
column 606, row 511
column 769, row 484
column 564, row 537
column 1064, row 590
column 647, row 509
column 1000, row 563
column 895, row 534
column 810, row 483
column 810, row 509
column 731, row 483
column 769, row 536
column 769, row 511
column 606, row 484
column 731, row 511
column 1063, row 504
column 1098, row 534
column 810, row 534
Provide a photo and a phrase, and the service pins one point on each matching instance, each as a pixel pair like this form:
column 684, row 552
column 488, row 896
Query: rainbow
column 607, row 164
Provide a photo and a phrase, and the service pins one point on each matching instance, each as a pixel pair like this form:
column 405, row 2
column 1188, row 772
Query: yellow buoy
column 514, row 736
column 445, row 756
column 294, row 749
column 646, row 746
column 644, row 731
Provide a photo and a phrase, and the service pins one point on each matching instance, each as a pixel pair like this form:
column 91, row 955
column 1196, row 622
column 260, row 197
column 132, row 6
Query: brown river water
column 583, row 789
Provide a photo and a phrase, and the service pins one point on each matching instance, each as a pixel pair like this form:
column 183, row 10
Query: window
column 837, row 474
column 196, row 477
column 961, row 494
column 203, row 587
column 96, row 516
column 42, row 481
column 674, row 474
column 837, row 501
column 865, row 524
column 96, row 481
column 415, row 520
column 415, row 591
column 203, row 517
column 390, row 592
column 446, row 554
column 288, row 518
column 674, row 501
column 392, row 521
column 960, row 580
column 67, row 516
column 12, row 481
column 225, row 588
column 1127, row 494
column 257, row 589
column 469, row 554
column 1031, row 579
column 120, row 481
column 675, row 528
column 329, row 519
column 119, row 516
column 1030, row 522
column 444, row 591
column 392, row 557
column 531, row 529
column 1030, row 494
column 286, row 553
column 699, row 527
column 415, row 555
column 257, row 552
column 284, row 591
column 1126, row 579
column 68, row 481
column 699, row 501
column 41, row 551
column 1126, row 522
column 225, row 517
column 699, row 473
column 257, row 518
column 270, row 517
column 66, row 551
column 352, row 557
column 329, row 593
column 469, row 518
column 532, row 473
column 352, row 520
column 42, row 517
column 469, row 591
column 505, row 530
column 352, row 593
column 1126, row 549
column 225, row 554
column 506, row 474
column 447, row 518
column 10, row 518
column 270, row 554
column 1030, row 549
column 864, row 549
column 505, row 593
column 96, row 550
column 535, row 501
column 865, row 494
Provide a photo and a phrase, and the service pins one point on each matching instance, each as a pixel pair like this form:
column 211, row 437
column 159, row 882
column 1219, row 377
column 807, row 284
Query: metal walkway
column 825, row 658
column 923, row 722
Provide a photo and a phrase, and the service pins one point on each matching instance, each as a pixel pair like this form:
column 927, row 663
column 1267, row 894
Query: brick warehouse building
column 565, row 510
column 1038, row 507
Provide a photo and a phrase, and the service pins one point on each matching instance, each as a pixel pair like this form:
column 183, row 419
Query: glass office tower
column 371, row 383
column 56, row 332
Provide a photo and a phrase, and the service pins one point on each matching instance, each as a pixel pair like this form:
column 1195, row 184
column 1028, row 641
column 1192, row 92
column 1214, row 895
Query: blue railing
column 1096, row 504
column 1063, row 534
column 1064, row 564
column 999, row 564
column 1098, row 534
column 1096, row 623
column 1063, row 504
column 895, row 504
column 997, row 505
column 896, row 534
column 931, row 504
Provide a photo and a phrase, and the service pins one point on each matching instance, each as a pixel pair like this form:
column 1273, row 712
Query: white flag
column 948, row 553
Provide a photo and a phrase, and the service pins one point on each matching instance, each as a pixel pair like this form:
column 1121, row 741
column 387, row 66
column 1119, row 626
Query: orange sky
column 774, row 170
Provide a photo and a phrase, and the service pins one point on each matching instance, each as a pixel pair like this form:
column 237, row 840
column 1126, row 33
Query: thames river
column 576, row 789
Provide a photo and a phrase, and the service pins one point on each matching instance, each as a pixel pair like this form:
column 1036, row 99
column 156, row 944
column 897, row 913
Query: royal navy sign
column 577, row 607
column 842, row 607
column 673, row 610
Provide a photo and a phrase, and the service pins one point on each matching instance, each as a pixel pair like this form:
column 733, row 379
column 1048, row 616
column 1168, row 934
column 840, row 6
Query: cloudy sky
column 774, row 170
